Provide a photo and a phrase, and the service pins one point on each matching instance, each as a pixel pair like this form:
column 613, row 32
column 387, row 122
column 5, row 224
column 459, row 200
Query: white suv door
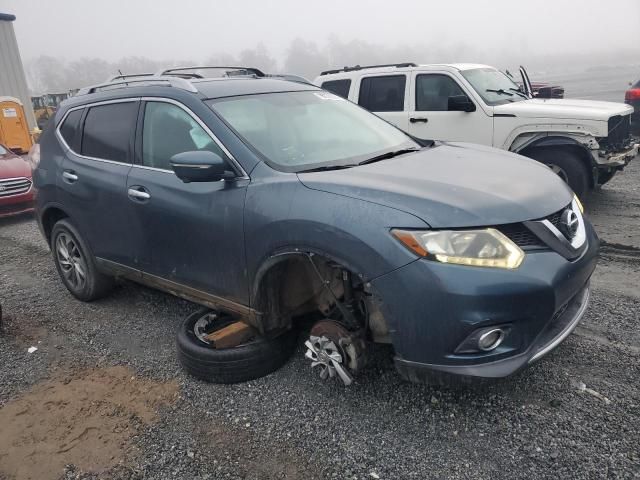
column 431, row 118
column 385, row 95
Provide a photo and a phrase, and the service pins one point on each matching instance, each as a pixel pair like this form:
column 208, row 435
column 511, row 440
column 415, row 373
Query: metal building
column 13, row 81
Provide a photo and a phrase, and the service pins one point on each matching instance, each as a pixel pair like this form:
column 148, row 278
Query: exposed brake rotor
column 335, row 351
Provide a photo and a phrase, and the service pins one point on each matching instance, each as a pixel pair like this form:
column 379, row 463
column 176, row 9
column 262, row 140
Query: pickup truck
column 585, row 142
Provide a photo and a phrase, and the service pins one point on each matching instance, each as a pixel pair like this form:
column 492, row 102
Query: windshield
column 298, row 131
column 494, row 87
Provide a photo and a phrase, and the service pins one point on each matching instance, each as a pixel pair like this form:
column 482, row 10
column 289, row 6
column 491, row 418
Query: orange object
column 231, row 335
column 14, row 130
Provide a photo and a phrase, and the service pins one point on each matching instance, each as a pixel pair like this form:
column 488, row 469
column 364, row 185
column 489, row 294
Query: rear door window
column 108, row 131
column 339, row 87
column 70, row 127
column 383, row 94
column 433, row 92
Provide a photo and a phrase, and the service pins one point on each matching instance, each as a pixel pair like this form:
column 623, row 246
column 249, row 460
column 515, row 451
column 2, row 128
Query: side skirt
column 178, row 289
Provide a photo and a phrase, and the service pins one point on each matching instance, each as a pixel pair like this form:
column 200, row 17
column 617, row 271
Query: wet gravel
column 539, row 424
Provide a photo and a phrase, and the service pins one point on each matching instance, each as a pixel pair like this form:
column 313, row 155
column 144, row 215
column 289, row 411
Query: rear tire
column 76, row 265
column 567, row 165
column 248, row 361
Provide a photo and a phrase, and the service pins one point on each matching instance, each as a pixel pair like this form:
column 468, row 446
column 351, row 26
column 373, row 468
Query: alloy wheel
column 71, row 260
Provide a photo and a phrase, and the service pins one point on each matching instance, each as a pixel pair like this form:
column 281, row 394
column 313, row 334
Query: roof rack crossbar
column 153, row 79
column 363, row 67
column 177, row 70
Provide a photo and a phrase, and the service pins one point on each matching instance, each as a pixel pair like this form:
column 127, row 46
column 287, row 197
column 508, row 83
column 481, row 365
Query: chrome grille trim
column 14, row 186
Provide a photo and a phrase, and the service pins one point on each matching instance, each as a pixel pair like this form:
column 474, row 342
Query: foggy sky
column 198, row 29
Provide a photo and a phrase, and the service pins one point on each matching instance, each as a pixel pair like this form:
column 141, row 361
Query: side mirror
column 200, row 166
column 460, row 103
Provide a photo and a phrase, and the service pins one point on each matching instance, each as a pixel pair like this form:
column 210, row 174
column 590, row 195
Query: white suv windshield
column 493, row 86
column 298, row 131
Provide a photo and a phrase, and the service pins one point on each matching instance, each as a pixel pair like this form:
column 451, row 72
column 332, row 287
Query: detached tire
column 248, row 361
column 76, row 265
column 567, row 165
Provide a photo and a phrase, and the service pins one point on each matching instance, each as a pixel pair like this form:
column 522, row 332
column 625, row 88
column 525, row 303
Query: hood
column 452, row 185
column 13, row 166
column 563, row 108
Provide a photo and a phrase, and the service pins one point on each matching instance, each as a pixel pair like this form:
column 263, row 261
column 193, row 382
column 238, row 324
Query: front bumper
column 431, row 308
column 17, row 204
column 616, row 159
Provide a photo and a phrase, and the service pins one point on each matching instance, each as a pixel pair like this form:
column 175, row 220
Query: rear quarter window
column 339, row 87
column 70, row 126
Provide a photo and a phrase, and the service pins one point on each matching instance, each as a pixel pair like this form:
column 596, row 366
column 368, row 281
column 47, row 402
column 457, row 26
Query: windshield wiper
column 387, row 155
column 327, row 168
column 519, row 92
column 500, row 91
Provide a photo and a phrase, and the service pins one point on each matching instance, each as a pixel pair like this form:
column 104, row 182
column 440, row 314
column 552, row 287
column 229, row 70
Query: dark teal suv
column 273, row 201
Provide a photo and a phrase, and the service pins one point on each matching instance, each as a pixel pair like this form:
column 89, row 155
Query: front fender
column 528, row 140
column 282, row 216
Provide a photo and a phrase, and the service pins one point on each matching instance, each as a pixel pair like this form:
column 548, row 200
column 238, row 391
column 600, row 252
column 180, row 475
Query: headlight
column 579, row 203
column 479, row 248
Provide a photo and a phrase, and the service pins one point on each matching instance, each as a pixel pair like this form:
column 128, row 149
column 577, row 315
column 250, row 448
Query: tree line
column 48, row 74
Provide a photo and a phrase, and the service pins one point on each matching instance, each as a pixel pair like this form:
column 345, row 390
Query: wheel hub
column 334, row 351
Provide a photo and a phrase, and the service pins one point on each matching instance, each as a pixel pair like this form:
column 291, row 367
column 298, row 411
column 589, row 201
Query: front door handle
column 418, row 119
column 70, row 176
column 138, row 193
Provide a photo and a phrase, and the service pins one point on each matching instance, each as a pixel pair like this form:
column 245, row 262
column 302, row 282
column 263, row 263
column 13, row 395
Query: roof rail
column 150, row 80
column 289, row 77
column 124, row 77
column 358, row 67
column 182, row 70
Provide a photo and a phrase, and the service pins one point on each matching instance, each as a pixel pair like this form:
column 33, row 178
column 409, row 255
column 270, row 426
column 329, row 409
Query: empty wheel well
column 295, row 287
column 50, row 217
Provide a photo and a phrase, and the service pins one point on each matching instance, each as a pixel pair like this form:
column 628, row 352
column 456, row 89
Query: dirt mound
column 86, row 420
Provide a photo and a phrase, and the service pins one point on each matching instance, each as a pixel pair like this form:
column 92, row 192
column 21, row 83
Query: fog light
column 491, row 340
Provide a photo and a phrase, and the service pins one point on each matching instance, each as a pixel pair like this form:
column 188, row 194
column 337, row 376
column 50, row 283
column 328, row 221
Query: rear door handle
column 70, row 176
column 418, row 119
column 138, row 193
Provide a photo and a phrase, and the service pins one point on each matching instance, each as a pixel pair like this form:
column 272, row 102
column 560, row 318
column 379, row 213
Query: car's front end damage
column 488, row 322
column 600, row 130
column 619, row 147
column 500, row 272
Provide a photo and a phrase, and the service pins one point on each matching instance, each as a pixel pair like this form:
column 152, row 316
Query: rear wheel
column 76, row 265
column 567, row 165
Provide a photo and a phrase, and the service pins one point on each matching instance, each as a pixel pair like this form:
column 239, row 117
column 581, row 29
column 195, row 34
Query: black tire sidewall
column 91, row 286
column 231, row 365
column 575, row 169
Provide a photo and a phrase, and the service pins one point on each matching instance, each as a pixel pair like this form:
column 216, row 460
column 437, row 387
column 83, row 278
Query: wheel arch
column 48, row 218
column 565, row 143
column 286, row 268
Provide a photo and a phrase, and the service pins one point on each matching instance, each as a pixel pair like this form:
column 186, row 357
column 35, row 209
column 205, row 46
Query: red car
column 632, row 97
column 16, row 187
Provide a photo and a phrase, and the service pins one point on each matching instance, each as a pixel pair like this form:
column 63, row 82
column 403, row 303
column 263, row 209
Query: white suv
column 585, row 142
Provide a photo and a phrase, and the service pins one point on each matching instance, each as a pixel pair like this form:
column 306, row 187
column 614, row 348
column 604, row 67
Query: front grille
column 519, row 234
column 619, row 135
column 554, row 218
column 14, row 186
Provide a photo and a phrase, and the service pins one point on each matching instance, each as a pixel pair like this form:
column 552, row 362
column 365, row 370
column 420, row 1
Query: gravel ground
column 538, row 424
